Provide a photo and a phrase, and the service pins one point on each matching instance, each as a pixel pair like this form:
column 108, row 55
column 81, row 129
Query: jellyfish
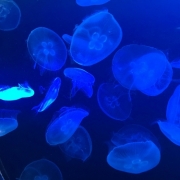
column 94, row 39
column 14, row 93
column 8, row 121
column 42, row 169
column 176, row 63
column 81, row 80
column 47, row 49
column 135, row 150
column 91, row 2
column 114, row 101
column 50, row 96
column 10, row 15
column 64, row 124
column 79, row 145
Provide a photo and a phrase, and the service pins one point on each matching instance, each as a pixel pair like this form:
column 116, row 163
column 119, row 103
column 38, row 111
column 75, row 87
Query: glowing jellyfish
column 81, row 80
column 79, row 145
column 114, row 101
column 14, row 93
column 136, row 150
column 50, row 96
column 95, row 38
column 41, row 170
column 144, row 68
column 64, row 124
column 47, row 49
column 10, row 15
column 8, row 121
column 91, row 2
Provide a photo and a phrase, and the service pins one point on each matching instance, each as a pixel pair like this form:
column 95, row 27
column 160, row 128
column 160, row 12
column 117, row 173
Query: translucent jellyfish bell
column 91, row 2
column 81, row 80
column 47, row 49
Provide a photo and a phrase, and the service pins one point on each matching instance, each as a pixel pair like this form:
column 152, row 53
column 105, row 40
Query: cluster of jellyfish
column 133, row 149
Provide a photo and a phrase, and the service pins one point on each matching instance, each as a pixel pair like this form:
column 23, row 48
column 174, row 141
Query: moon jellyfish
column 95, row 38
column 114, row 101
column 50, row 96
column 81, row 80
column 91, row 2
column 41, row 170
column 10, row 15
column 143, row 68
column 64, row 124
column 8, row 121
column 47, row 49
column 79, row 145
column 135, row 150
column 14, row 93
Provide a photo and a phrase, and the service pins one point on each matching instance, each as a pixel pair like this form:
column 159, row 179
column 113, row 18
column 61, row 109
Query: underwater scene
column 89, row 89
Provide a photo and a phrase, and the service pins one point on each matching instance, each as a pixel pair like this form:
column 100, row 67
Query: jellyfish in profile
column 94, row 39
column 50, row 97
column 17, row 92
column 79, row 145
column 10, row 15
column 114, row 101
column 8, row 121
column 47, row 49
column 135, row 150
column 42, row 169
column 64, row 124
column 91, row 2
column 81, row 80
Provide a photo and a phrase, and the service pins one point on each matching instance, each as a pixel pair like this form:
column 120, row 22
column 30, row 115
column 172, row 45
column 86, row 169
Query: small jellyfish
column 10, row 15
column 8, row 121
column 50, row 96
column 91, row 2
column 81, row 80
column 79, row 145
column 114, row 101
column 176, row 63
column 47, row 49
column 41, row 170
column 64, row 124
column 14, row 93
column 94, row 39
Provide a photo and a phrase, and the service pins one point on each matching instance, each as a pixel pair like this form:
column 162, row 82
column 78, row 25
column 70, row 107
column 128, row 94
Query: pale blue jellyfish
column 64, row 124
column 144, row 68
column 47, row 49
column 81, row 80
column 10, row 15
column 50, row 97
column 135, row 150
column 79, row 145
column 91, row 2
column 94, row 39
column 176, row 63
column 8, row 121
column 17, row 92
column 41, row 170
column 114, row 101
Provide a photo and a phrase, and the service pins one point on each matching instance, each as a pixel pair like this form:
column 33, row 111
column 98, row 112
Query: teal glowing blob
column 41, row 170
column 47, row 49
column 10, row 15
column 64, row 124
column 91, row 2
column 79, row 145
column 81, row 80
column 14, row 93
column 114, row 101
column 94, row 39
column 50, row 97
column 8, row 121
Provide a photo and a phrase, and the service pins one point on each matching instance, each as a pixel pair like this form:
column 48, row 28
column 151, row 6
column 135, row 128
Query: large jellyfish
column 94, row 39
column 91, row 2
column 10, row 15
column 47, row 49
column 64, row 124
column 135, row 150
column 41, row 170
column 81, row 80
column 114, row 101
